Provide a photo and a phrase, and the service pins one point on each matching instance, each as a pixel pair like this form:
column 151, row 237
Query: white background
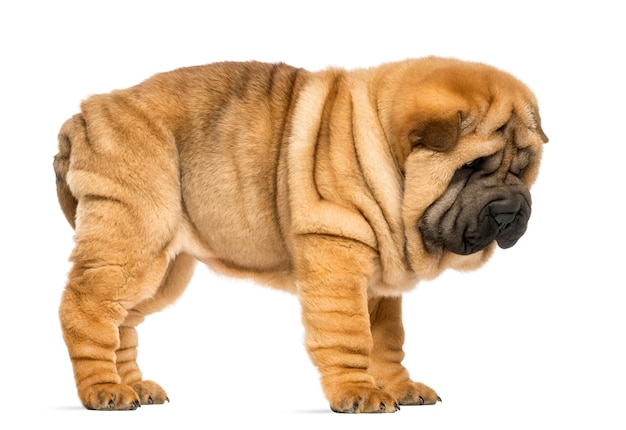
column 535, row 339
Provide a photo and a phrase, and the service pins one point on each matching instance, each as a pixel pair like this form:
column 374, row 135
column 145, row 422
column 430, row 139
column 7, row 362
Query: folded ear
column 437, row 133
column 539, row 130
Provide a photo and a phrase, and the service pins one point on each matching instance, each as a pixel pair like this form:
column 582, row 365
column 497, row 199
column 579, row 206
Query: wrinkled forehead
column 514, row 116
column 507, row 132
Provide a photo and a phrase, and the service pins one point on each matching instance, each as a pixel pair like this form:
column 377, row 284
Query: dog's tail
column 72, row 130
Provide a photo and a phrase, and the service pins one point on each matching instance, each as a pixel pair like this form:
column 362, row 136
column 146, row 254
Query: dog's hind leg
column 176, row 279
column 102, row 287
column 119, row 185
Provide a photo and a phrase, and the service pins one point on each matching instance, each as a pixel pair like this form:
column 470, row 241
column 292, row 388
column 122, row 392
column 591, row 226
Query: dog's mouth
column 474, row 212
column 501, row 220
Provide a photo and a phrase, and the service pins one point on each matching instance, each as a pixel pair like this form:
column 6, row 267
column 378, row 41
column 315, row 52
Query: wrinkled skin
column 485, row 201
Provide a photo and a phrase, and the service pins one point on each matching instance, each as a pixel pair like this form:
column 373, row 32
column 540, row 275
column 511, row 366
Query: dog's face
column 486, row 201
column 469, row 139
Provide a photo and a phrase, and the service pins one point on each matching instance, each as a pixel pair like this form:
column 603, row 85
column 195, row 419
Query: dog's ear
column 537, row 122
column 437, row 133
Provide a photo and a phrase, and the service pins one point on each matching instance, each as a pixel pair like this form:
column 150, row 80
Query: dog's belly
column 229, row 196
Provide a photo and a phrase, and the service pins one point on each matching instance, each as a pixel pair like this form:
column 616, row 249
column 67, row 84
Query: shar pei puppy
column 344, row 187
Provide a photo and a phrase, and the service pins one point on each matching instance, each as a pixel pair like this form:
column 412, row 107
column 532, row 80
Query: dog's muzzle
column 475, row 211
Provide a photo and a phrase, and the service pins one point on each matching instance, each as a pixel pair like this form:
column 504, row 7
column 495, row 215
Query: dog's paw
column 415, row 393
column 358, row 399
column 150, row 393
column 110, row 397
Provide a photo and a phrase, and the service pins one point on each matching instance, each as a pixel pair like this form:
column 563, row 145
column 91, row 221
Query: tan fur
column 310, row 182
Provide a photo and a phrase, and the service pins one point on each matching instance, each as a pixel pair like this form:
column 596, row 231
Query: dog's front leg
column 387, row 354
column 333, row 275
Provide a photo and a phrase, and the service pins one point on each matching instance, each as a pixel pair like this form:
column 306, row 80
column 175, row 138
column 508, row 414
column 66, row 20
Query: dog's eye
column 473, row 164
column 520, row 163
column 487, row 164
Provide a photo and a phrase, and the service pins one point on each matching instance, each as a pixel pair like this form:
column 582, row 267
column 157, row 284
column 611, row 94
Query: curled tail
column 72, row 130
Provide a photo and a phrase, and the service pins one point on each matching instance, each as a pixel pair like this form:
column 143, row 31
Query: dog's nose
column 504, row 211
column 504, row 220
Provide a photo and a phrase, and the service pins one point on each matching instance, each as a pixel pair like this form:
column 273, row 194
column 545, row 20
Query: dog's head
column 468, row 139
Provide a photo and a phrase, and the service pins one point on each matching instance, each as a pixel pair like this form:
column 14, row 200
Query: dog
column 344, row 187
